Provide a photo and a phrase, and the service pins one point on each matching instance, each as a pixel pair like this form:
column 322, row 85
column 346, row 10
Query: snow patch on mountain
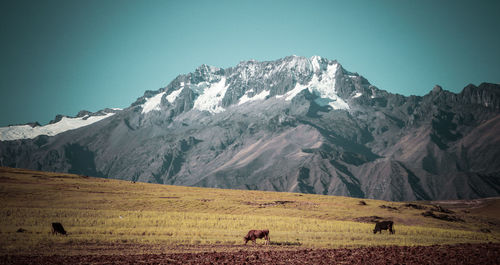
column 211, row 97
column 152, row 103
column 65, row 124
column 315, row 63
column 174, row 94
column 292, row 93
column 262, row 95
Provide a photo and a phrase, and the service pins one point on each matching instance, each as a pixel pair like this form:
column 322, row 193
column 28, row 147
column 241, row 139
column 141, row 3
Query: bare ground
column 437, row 254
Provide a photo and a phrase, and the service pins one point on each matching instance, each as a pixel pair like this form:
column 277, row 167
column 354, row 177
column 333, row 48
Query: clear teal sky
column 65, row 56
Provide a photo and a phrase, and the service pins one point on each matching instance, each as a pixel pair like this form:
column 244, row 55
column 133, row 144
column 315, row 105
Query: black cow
column 254, row 234
column 58, row 228
column 383, row 225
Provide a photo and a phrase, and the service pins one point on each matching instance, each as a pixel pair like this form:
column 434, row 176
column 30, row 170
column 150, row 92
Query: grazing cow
column 383, row 225
column 58, row 228
column 254, row 234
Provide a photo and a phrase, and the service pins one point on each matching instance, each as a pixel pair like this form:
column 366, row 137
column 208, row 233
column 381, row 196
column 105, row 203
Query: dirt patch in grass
column 415, row 206
column 369, row 219
column 442, row 216
column 391, row 208
column 270, row 204
column 439, row 208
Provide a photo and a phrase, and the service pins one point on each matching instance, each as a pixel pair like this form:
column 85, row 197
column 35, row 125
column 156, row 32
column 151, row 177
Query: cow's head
column 245, row 238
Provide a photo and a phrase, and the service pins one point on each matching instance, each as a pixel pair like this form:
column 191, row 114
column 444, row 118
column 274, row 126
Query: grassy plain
column 105, row 212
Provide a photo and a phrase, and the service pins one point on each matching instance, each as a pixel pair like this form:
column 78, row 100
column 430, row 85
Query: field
column 484, row 254
column 113, row 217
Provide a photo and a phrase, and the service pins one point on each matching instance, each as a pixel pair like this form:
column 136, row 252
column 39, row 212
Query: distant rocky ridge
column 85, row 114
column 60, row 124
column 295, row 124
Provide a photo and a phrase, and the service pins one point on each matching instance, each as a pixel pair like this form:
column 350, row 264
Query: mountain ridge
column 294, row 124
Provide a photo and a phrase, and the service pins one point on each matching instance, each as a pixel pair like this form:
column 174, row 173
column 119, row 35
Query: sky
column 60, row 57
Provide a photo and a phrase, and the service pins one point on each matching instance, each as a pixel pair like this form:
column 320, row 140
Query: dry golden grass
column 104, row 211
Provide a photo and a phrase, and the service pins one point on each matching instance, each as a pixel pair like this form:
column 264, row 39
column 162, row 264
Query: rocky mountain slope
column 296, row 124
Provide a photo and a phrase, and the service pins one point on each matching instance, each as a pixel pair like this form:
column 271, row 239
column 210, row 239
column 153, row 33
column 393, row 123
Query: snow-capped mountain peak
column 321, row 84
column 213, row 89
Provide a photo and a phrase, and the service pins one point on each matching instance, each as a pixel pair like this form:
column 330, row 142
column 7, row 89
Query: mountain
column 295, row 124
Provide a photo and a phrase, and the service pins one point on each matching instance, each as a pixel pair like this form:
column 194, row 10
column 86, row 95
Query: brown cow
column 383, row 225
column 254, row 234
